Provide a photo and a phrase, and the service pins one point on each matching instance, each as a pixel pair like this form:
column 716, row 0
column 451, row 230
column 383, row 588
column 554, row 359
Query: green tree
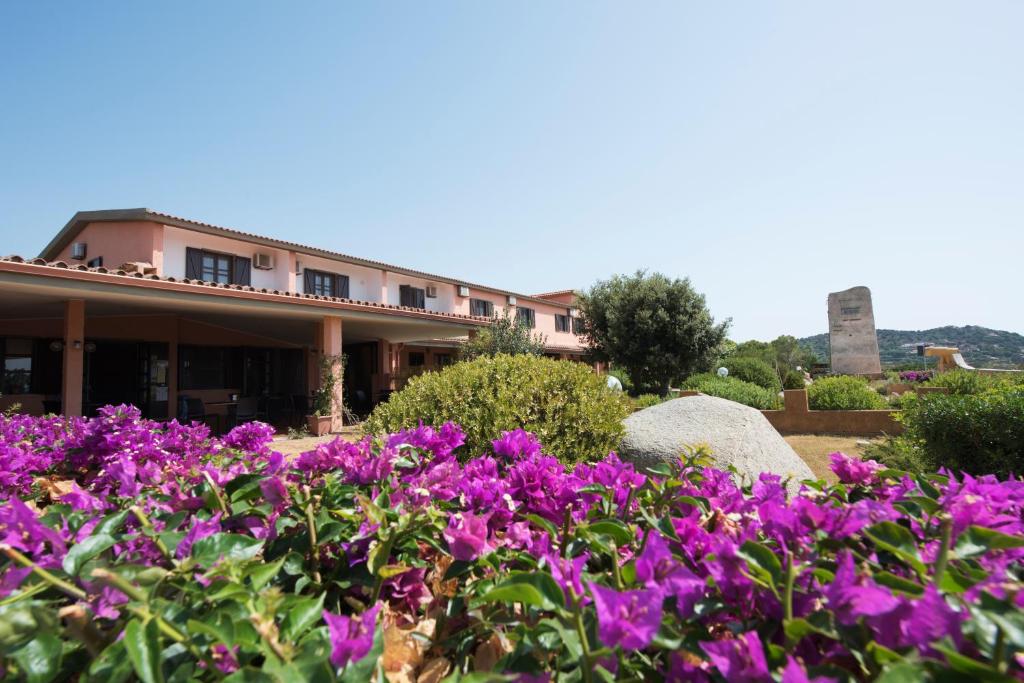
column 505, row 335
column 656, row 328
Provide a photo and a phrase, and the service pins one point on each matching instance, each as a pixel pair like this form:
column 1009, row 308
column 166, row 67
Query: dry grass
column 297, row 446
column 815, row 449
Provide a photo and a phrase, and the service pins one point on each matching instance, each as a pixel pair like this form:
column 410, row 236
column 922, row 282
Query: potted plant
column 320, row 421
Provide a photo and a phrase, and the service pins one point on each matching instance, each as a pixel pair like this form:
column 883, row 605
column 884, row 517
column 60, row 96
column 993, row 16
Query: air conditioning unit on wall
column 263, row 261
column 511, row 300
column 431, row 292
column 78, row 250
column 463, row 290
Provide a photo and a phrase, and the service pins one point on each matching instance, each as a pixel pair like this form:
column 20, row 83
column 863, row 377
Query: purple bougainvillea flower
column 854, row 470
column 198, row 531
column 568, row 573
column 82, row 500
column 275, row 492
column 795, row 673
column 518, row 443
column 918, row 623
column 351, row 637
column 467, row 535
column 851, row 597
column 628, row 619
column 407, row 589
column 660, row 571
column 741, row 660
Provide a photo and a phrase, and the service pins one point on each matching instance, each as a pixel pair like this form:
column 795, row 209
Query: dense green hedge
column 969, row 383
column 843, row 393
column 754, row 371
column 569, row 407
column 794, row 379
column 979, row 434
column 734, row 390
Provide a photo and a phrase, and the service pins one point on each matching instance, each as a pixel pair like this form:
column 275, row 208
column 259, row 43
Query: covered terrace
column 74, row 338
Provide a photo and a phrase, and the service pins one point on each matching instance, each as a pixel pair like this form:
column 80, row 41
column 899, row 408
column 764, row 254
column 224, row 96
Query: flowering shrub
column 136, row 548
column 916, row 375
column 843, row 392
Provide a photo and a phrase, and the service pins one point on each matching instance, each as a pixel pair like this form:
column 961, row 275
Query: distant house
column 137, row 306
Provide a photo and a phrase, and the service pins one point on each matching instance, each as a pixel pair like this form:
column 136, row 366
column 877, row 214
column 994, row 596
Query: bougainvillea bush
column 138, row 550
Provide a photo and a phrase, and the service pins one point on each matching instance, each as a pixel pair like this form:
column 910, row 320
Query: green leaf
column 230, row 547
column 261, row 574
column 111, row 523
column 977, row 540
column 553, row 532
column 247, row 675
column 538, row 590
column 799, row 628
column 85, row 551
column 40, row 658
column 762, row 560
column 898, row 583
column 142, row 641
column 618, row 531
column 302, row 614
column 111, row 666
column 902, row 672
column 899, row 541
column 978, row 671
column 379, row 555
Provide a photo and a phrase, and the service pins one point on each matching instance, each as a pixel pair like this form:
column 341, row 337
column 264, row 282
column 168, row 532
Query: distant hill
column 980, row 346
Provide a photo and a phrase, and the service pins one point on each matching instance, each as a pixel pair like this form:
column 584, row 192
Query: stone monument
column 852, row 340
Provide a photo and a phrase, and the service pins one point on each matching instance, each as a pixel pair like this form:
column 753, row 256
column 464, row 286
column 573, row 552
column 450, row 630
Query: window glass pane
column 16, row 377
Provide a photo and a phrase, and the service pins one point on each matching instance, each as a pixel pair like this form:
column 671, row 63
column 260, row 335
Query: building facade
column 187, row 319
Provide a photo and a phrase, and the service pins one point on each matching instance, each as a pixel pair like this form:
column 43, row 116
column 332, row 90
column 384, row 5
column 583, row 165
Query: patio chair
column 247, row 409
column 193, row 409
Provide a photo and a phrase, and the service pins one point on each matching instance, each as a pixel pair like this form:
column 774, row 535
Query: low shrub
column 794, row 379
column 978, row 434
column 647, row 400
column 754, row 371
column 179, row 557
column 963, row 382
column 564, row 403
column 734, row 390
column 899, row 453
column 843, row 393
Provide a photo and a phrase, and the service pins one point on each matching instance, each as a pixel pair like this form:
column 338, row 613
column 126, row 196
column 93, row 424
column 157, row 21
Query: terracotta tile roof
column 558, row 293
column 82, row 218
column 307, row 298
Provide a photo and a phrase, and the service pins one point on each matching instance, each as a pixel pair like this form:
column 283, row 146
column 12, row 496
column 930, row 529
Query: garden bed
column 135, row 548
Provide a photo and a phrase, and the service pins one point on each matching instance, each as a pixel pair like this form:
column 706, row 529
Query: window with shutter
column 561, row 323
column 242, row 272
column 526, row 316
column 341, row 286
column 413, row 297
column 481, row 307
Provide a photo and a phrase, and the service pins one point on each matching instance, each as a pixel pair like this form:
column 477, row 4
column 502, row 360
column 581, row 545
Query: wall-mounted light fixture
column 56, row 345
column 76, row 345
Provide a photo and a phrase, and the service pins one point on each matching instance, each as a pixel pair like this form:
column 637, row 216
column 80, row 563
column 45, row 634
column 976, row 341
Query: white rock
column 736, row 434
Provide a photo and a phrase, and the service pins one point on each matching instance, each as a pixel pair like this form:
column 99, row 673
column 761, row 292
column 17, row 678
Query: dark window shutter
column 341, row 286
column 242, row 274
column 404, row 295
column 421, row 298
column 307, row 281
column 193, row 263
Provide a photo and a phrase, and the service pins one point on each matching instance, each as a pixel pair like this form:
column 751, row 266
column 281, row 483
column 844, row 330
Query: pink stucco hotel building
column 178, row 316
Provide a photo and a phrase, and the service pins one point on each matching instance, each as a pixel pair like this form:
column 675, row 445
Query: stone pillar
column 384, row 287
column 330, row 347
column 74, row 357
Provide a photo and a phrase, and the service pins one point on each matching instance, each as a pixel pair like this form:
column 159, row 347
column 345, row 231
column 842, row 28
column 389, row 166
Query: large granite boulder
column 737, row 435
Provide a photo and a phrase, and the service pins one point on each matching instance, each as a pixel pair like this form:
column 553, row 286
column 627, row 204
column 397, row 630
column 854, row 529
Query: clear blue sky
column 772, row 152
